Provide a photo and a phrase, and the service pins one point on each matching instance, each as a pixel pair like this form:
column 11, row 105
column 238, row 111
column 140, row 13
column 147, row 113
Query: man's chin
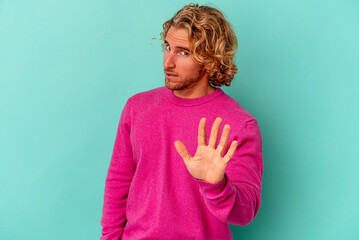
column 172, row 86
column 179, row 85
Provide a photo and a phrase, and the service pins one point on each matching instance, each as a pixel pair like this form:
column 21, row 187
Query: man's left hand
column 208, row 164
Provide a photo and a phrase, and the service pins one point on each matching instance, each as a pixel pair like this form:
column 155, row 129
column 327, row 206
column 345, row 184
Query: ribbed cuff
column 212, row 189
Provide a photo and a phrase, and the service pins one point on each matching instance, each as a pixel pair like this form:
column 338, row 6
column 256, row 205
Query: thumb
column 182, row 151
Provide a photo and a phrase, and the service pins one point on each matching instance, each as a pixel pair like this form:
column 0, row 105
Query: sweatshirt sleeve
column 118, row 181
column 237, row 197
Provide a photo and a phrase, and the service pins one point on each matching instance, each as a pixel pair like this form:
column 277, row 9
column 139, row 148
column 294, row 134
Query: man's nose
column 169, row 61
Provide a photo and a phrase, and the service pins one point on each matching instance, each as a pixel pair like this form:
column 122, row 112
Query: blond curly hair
column 212, row 40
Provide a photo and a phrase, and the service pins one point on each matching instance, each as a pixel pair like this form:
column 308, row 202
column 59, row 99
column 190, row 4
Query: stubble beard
column 182, row 84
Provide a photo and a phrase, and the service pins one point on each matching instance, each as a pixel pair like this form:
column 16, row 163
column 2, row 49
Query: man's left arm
column 237, row 197
column 231, row 184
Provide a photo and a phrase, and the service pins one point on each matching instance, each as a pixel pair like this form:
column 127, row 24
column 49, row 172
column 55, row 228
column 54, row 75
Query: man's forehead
column 178, row 36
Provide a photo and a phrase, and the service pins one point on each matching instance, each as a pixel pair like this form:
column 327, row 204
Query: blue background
column 67, row 68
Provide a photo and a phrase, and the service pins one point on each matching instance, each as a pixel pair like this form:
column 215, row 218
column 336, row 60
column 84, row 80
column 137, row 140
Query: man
column 167, row 179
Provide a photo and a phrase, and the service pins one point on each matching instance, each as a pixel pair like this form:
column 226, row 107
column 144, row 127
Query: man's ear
column 204, row 70
column 206, row 67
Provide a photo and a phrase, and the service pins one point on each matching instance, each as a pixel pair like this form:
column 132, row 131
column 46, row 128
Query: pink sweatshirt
column 148, row 185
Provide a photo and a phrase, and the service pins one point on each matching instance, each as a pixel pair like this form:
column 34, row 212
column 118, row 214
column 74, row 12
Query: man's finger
column 232, row 149
column 214, row 133
column 224, row 139
column 202, row 135
column 182, row 151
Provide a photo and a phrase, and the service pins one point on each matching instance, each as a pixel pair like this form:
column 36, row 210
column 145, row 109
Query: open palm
column 208, row 164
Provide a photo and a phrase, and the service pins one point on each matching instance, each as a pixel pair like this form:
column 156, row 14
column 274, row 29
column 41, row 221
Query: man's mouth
column 169, row 74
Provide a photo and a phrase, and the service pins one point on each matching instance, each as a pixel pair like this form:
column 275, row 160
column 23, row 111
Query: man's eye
column 168, row 47
column 184, row 53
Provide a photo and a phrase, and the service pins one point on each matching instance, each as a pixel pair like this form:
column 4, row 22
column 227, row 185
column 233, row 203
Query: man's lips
column 169, row 74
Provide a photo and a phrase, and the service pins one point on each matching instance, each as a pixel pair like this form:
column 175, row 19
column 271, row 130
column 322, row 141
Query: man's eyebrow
column 178, row 47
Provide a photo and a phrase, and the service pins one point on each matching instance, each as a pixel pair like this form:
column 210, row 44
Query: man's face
column 180, row 69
